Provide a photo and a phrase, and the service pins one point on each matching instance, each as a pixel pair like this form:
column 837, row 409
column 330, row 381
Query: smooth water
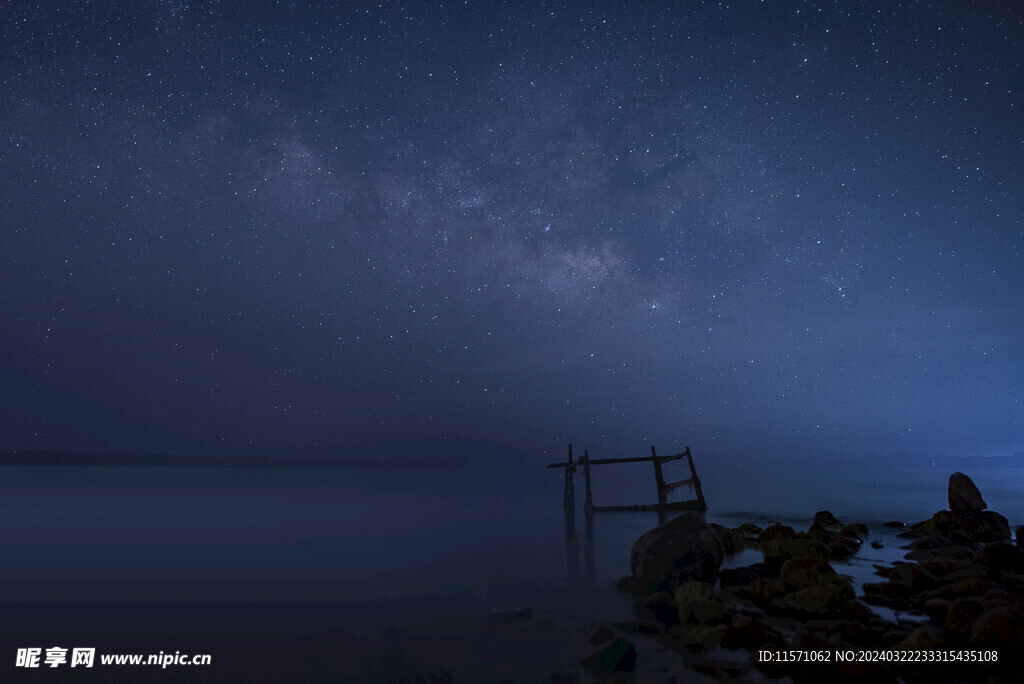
column 487, row 539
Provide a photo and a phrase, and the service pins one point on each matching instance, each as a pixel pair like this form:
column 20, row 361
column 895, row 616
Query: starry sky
column 776, row 227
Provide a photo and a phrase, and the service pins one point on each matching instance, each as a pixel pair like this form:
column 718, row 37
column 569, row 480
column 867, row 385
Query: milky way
column 781, row 227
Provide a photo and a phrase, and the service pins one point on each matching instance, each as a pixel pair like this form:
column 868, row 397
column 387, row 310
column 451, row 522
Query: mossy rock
column 803, row 572
column 778, row 551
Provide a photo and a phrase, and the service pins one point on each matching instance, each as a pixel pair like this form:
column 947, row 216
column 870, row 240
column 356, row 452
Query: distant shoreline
column 80, row 459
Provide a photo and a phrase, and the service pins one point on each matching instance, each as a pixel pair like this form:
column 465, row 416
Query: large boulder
column 964, row 495
column 978, row 526
column 680, row 550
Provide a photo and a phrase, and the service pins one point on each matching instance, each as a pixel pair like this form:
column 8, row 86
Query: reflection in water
column 572, row 551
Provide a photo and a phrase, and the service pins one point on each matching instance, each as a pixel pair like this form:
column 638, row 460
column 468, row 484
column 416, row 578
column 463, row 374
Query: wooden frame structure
column 664, row 488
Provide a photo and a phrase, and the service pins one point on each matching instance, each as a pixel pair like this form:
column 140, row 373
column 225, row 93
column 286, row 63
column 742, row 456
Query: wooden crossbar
column 663, row 488
column 681, row 483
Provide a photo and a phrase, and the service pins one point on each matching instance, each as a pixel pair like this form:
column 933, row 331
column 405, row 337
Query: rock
column 958, row 621
column 1001, row 628
column 843, row 633
column 564, row 678
column 760, row 592
column 625, row 584
column 877, row 544
column 892, row 594
column 750, row 633
column 895, row 524
column 915, row 576
column 979, row 526
column 732, row 540
column 859, row 529
column 826, row 519
column 942, row 553
column 658, row 607
column 964, row 495
column 943, row 566
column 618, row 656
column 824, row 600
column 680, row 550
column 923, row 638
column 728, row 577
column 842, row 548
column 698, row 638
column 776, row 531
column 936, row 609
column 776, row 551
column 1019, row 536
column 1003, row 556
column 749, row 529
column 695, row 591
column 803, row 572
column 704, row 612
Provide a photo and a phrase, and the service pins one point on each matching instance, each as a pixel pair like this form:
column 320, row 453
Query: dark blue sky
column 751, row 227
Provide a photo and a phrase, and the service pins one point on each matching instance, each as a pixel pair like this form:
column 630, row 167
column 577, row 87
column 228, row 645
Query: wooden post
column 588, row 503
column 696, row 481
column 569, row 496
column 659, row 478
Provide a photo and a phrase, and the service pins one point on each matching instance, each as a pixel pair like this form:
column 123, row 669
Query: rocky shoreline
column 792, row 615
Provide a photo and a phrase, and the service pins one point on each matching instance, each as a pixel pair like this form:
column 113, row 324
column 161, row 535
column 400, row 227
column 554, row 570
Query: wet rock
column 964, row 495
column 951, row 552
column 877, row 545
column 824, row 600
column 892, row 594
column 979, row 526
column 859, row 529
column 618, row 656
column 680, row 550
column 915, row 576
column 895, row 524
column 749, row 529
column 842, row 548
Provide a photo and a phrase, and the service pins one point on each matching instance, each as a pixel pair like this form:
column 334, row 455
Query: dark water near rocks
column 357, row 549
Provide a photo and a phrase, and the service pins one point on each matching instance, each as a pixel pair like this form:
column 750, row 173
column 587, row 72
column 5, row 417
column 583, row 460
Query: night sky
column 756, row 228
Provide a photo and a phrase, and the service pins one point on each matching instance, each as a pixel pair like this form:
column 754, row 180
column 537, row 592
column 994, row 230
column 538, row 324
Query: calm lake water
column 426, row 549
